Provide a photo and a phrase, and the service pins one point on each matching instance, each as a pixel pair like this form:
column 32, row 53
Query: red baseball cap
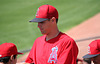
column 93, row 49
column 45, row 12
column 8, row 49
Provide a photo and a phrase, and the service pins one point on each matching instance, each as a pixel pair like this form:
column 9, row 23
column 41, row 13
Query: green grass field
column 15, row 14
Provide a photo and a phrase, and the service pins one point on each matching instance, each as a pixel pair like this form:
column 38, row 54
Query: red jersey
column 59, row 50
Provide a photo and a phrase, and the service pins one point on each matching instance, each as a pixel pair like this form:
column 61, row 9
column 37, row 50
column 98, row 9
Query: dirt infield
column 87, row 29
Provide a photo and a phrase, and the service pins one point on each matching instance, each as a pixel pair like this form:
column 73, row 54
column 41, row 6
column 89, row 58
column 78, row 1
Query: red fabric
column 59, row 50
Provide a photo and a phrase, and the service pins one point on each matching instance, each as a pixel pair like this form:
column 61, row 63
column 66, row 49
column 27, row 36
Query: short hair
column 88, row 60
column 56, row 20
column 6, row 59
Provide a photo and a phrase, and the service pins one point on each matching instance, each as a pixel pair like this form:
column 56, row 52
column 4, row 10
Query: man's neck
column 52, row 35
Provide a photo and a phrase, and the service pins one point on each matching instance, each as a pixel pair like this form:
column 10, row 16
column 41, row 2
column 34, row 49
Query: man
column 54, row 47
column 94, row 51
column 8, row 53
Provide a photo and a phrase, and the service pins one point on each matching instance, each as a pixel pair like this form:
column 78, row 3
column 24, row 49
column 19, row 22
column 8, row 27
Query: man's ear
column 11, row 57
column 53, row 19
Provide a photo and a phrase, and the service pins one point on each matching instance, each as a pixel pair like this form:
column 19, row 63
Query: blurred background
column 15, row 15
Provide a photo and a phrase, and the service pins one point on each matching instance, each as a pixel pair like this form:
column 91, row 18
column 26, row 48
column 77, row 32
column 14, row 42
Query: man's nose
column 39, row 24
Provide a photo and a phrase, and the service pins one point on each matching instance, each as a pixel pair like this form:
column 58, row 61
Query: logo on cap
column 89, row 50
column 0, row 55
column 37, row 12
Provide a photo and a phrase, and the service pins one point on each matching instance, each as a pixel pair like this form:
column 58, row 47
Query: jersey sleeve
column 31, row 56
column 69, row 54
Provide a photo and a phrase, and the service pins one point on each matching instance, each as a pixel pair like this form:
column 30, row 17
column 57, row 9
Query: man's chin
column 43, row 33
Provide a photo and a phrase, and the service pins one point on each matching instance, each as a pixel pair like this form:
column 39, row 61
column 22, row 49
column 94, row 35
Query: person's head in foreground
column 94, row 51
column 8, row 53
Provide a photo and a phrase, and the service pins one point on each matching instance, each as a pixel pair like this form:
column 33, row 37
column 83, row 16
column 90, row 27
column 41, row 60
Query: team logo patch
column 53, row 55
column 37, row 12
column 89, row 50
column 0, row 55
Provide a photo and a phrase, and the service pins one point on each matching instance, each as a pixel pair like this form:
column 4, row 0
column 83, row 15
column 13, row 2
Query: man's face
column 15, row 60
column 96, row 60
column 45, row 26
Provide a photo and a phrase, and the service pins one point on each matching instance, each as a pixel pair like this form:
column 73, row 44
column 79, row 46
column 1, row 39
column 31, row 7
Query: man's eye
column 41, row 22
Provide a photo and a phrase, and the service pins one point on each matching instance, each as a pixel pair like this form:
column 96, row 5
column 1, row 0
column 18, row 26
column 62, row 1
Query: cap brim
column 38, row 20
column 19, row 53
column 90, row 56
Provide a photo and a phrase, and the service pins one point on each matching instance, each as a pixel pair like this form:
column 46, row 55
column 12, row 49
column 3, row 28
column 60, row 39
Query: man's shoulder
column 65, row 36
